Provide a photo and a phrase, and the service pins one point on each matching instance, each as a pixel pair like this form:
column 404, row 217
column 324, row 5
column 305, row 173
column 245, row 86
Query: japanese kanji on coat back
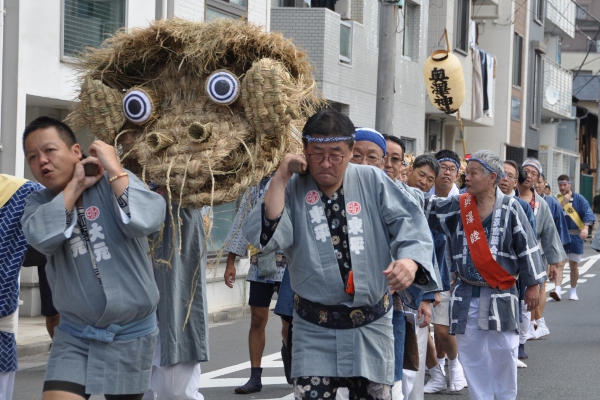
column 484, row 262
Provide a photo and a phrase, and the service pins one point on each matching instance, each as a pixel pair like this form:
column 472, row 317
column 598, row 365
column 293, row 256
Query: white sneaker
column 573, row 294
column 531, row 333
column 456, row 376
column 542, row 329
column 521, row 364
column 437, row 383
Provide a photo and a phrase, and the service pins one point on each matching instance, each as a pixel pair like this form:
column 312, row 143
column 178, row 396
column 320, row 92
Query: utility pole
column 386, row 67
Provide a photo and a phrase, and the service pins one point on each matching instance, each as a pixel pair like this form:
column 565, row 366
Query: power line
column 586, row 54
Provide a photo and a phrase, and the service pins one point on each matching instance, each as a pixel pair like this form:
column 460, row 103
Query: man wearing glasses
column 395, row 167
column 508, row 184
column 445, row 186
column 547, row 236
column 340, row 226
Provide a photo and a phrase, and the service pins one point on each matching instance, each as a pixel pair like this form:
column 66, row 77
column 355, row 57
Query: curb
column 43, row 346
column 34, row 349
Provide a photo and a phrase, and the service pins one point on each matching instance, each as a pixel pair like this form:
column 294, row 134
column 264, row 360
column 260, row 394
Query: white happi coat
column 513, row 245
column 383, row 220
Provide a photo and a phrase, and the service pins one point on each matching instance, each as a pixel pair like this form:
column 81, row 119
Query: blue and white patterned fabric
column 238, row 244
column 12, row 251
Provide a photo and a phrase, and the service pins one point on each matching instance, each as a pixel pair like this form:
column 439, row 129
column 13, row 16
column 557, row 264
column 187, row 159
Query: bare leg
column 559, row 273
column 431, row 359
column 439, row 349
column 447, row 341
column 574, row 266
column 538, row 312
column 60, row 395
column 256, row 336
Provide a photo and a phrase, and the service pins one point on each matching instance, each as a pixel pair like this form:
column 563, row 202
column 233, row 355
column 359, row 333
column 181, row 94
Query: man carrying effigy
column 339, row 226
column 93, row 227
column 491, row 245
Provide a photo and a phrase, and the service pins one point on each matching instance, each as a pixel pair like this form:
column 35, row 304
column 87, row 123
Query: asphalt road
column 561, row 366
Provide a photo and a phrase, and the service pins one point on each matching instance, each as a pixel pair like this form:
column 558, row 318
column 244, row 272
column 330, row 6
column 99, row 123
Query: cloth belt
column 575, row 232
column 340, row 316
column 470, row 282
column 132, row 330
column 7, row 324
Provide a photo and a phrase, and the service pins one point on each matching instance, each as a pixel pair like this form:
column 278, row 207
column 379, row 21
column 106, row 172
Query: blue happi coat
column 512, row 244
column 12, row 252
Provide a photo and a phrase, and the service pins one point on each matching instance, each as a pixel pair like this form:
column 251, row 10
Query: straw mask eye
column 137, row 106
column 223, row 87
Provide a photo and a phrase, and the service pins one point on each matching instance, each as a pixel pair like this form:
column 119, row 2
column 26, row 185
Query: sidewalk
column 33, row 338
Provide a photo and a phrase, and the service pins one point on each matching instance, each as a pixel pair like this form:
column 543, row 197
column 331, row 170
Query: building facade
column 38, row 78
column 343, row 44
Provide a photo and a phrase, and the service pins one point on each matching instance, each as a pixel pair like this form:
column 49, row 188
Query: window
column 88, row 23
column 582, row 12
column 434, row 129
column 539, row 10
column 515, row 109
column 410, row 144
column 537, row 89
column 287, row 3
column 226, row 9
column 223, row 216
column 346, row 42
column 515, row 154
column 593, row 46
column 462, row 25
column 409, row 34
column 517, row 60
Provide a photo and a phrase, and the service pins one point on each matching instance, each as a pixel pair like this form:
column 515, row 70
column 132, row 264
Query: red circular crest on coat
column 312, row 197
column 353, row 208
column 92, row 213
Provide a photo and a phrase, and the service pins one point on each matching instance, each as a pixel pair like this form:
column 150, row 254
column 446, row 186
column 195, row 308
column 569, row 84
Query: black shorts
column 79, row 390
column 261, row 293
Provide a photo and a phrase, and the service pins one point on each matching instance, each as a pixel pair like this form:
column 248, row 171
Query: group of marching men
column 369, row 241
column 351, row 248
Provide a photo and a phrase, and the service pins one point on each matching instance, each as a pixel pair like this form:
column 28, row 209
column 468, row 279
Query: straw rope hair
column 145, row 92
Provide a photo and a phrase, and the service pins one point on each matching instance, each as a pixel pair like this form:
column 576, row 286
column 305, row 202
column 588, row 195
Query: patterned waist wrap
column 340, row 316
column 457, row 275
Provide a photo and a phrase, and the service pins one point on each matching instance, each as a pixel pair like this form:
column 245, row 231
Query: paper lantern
column 444, row 81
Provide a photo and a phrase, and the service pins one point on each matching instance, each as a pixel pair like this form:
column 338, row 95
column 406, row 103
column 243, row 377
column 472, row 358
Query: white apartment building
column 38, row 42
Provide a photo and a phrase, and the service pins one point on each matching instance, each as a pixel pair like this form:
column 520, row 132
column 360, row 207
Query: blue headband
column 370, row 135
column 449, row 159
column 328, row 139
column 532, row 164
column 485, row 165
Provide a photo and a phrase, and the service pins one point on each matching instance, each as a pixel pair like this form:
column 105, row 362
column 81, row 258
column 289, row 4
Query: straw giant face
column 206, row 133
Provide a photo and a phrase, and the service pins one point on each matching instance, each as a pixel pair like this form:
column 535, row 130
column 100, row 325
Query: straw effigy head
column 206, row 109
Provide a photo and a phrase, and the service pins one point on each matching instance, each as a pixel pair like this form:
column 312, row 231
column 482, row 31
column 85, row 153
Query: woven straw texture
column 203, row 152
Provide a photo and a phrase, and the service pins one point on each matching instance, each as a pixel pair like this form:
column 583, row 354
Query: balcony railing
column 560, row 18
column 557, row 90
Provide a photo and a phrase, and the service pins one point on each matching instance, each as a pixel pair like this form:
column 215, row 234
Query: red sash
column 484, row 262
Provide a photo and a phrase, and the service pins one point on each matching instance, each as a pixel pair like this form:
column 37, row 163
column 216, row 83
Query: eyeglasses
column 396, row 160
column 532, row 174
column 510, row 176
column 449, row 169
column 318, row 158
column 371, row 160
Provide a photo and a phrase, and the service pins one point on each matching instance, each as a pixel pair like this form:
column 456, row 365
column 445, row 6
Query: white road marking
column 589, row 262
column 211, row 379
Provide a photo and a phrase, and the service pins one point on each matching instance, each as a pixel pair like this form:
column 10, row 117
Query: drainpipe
column 2, row 15
column 163, row 14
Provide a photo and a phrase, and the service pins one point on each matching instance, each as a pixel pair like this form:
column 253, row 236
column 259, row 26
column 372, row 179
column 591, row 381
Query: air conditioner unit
column 344, row 8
